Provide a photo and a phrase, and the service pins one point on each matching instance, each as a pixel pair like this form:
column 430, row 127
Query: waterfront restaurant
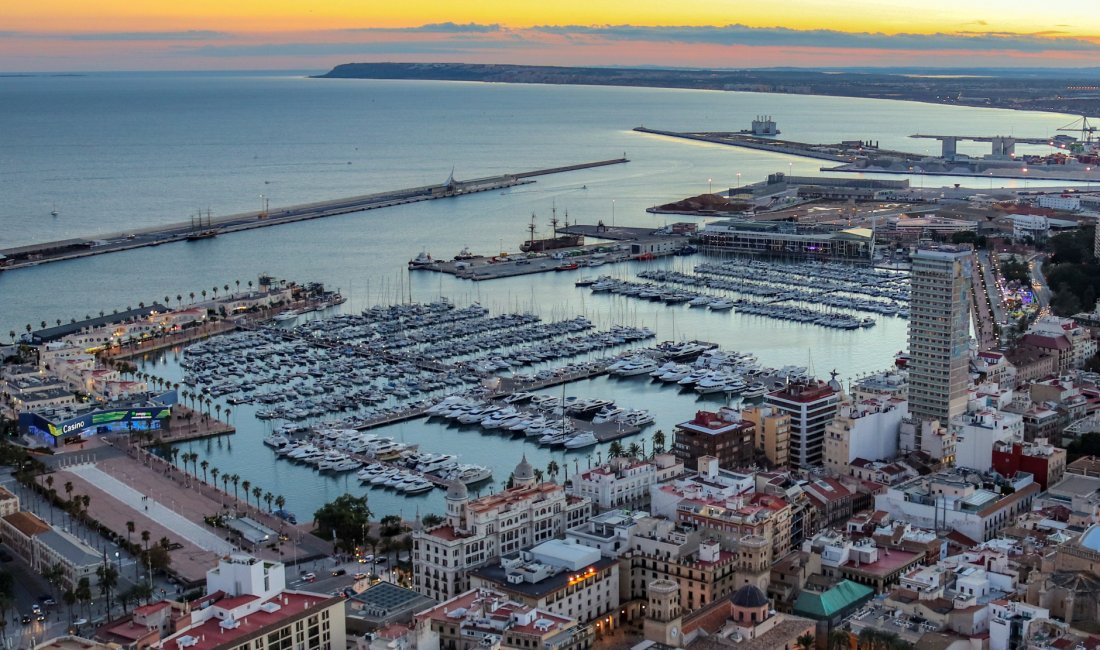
column 74, row 425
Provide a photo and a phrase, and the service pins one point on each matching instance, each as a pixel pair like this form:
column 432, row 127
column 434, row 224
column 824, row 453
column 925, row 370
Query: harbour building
column 939, row 332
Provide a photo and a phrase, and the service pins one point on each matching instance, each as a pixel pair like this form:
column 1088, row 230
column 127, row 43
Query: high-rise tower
column 939, row 332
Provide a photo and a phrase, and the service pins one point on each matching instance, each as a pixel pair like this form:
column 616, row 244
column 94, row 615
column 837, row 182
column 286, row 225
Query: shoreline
column 885, row 86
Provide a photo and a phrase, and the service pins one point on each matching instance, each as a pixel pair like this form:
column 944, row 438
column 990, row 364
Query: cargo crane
column 1086, row 141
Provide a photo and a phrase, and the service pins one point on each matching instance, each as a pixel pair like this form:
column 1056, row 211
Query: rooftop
column 824, row 605
column 27, row 523
column 498, row 575
column 280, row 610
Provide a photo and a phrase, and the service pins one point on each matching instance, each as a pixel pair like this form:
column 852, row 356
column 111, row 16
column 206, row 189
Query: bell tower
column 663, row 619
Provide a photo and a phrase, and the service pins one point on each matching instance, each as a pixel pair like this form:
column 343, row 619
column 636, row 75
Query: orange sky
column 211, row 34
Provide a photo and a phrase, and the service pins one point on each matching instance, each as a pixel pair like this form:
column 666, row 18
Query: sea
column 114, row 152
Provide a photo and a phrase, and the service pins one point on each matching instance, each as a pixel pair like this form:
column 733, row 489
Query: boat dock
column 745, row 141
column 625, row 244
column 68, row 249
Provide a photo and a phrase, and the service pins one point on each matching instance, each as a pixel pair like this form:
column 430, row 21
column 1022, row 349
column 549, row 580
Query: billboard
column 115, row 418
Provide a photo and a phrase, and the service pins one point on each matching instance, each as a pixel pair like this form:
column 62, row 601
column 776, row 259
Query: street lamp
column 708, row 186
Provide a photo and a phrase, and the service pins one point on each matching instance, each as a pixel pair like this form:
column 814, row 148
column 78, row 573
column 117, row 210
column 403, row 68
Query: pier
column 68, row 249
column 752, row 142
column 623, row 244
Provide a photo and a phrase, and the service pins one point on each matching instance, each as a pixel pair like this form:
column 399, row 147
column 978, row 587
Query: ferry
column 568, row 266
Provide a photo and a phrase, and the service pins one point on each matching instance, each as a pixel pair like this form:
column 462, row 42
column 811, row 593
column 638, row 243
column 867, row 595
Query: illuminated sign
column 74, row 426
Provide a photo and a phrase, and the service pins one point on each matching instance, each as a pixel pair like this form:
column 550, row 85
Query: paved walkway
column 155, row 510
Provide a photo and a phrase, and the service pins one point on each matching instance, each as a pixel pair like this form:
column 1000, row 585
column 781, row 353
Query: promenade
column 126, row 483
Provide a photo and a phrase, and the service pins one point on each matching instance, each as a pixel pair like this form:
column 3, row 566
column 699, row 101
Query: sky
column 78, row 35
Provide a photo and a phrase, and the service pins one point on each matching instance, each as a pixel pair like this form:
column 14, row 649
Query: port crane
column 1082, row 126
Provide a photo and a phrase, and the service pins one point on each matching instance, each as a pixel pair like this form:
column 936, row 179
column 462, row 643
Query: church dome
column 1091, row 538
column 456, row 491
column 524, row 471
column 749, row 596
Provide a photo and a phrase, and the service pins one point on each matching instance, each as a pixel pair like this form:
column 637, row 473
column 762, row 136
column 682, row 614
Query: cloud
column 435, row 28
column 185, row 35
column 825, row 38
column 351, row 48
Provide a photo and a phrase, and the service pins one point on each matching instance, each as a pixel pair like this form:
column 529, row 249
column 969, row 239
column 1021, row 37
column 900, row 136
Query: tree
column 839, row 640
column 658, row 442
column 204, row 465
column 157, row 558
column 615, row 450
column 69, row 490
column 268, row 497
column 214, row 474
column 246, row 484
column 257, row 492
column 145, row 539
column 235, row 478
column 343, row 519
column 280, row 502
column 69, row 598
column 129, row 531
column 431, row 520
column 634, row 450
column 805, row 641
column 108, row 579
column 552, row 469
column 84, row 591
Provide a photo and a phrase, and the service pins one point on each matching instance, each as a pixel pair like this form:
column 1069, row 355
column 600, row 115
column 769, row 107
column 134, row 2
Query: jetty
column 68, row 249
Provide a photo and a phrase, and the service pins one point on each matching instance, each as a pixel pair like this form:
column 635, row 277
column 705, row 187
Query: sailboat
column 197, row 232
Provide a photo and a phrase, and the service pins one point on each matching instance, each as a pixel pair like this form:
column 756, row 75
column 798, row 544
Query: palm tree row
column 250, row 490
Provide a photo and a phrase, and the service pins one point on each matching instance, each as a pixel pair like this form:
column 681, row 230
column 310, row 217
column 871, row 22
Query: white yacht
column 581, row 440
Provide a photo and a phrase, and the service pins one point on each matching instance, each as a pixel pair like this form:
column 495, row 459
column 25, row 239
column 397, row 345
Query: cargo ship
column 533, row 245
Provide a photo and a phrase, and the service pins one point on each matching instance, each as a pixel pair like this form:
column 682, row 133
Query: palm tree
column 218, row 410
column 192, row 297
column 145, row 539
column 215, row 293
column 805, row 641
column 839, row 640
column 108, row 579
column 245, row 484
column 279, row 500
column 257, row 493
column 204, row 465
column 214, row 473
column 658, row 442
column 203, row 292
column 236, row 479
column 552, row 469
column 11, row 335
column 238, row 286
column 634, row 450
column 69, row 598
column 228, row 412
column 69, row 490
column 615, row 450
column 129, row 531
column 179, row 301
column 225, row 483
column 268, row 497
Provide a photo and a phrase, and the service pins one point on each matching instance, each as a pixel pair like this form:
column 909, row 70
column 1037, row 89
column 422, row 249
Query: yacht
column 581, row 440
column 276, row 440
column 754, row 391
column 637, row 419
column 607, row 415
column 418, row 486
column 421, row 261
column 700, row 301
column 639, row 367
column 720, row 305
column 469, row 474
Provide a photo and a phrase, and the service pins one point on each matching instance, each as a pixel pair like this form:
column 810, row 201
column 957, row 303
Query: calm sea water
column 115, row 152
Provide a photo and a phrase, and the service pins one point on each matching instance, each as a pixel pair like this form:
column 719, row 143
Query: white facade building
column 479, row 531
column 866, row 429
column 624, row 482
column 978, row 431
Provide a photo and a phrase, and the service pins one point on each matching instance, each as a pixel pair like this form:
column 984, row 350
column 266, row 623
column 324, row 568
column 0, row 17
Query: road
column 1038, row 282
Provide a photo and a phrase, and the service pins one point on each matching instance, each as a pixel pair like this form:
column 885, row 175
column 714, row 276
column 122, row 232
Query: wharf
column 392, row 418
column 478, row 269
column 787, row 147
column 56, row 251
column 1032, row 173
